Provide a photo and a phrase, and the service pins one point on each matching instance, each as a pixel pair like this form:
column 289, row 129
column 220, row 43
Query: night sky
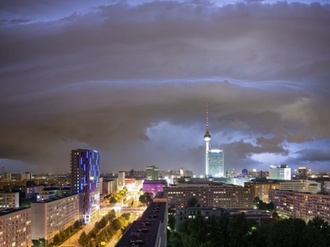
column 131, row 79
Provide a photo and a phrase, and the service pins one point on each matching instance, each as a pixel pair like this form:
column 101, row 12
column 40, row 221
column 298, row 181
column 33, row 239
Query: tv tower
column 207, row 139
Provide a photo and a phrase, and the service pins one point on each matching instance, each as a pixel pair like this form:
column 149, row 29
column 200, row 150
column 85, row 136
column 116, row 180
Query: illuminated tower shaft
column 207, row 139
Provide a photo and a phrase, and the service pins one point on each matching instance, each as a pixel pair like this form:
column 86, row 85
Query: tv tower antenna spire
column 207, row 139
column 207, row 117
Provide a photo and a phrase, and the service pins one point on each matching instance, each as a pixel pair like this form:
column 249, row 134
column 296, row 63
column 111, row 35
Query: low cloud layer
column 131, row 80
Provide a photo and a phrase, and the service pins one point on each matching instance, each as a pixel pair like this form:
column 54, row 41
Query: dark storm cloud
column 109, row 76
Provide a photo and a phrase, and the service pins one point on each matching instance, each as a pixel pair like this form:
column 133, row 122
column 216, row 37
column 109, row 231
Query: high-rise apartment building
column 51, row 216
column 85, row 175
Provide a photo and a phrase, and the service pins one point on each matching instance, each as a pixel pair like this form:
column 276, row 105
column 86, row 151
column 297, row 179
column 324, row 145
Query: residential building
column 261, row 189
column 54, row 215
column 15, row 227
column 207, row 212
column 301, row 186
column 85, row 174
column 9, row 200
column 301, row 205
column 192, row 212
column 210, row 195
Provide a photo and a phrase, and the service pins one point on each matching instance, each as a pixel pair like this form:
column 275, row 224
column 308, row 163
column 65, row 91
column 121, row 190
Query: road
column 136, row 213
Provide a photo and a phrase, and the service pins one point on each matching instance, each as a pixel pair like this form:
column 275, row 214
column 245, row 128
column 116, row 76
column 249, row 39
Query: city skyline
column 131, row 80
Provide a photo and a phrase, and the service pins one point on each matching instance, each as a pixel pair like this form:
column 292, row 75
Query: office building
column 304, row 206
column 54, row 215
column 15, row 227
column 85, row 174
column 282, row 172
column 210, row 195
column 152, row 173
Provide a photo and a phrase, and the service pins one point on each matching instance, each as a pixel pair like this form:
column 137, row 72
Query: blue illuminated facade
column 85, row 179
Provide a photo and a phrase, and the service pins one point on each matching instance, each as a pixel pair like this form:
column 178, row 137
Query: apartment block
column 210, row 195
column 9, row 200
column 207, row 212
column 301, row 186
column 261, row 190
column 54, row 215
column 301, row 205
column 15, row 227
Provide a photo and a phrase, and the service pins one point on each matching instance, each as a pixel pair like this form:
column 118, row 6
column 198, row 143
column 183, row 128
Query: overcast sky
column 131, row 80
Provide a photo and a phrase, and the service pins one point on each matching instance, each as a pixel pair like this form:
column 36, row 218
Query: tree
column 113, row 200
column 193, row 202
column 57, row 238
column 83, row 239
column 146, row 198
column 171, row 222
